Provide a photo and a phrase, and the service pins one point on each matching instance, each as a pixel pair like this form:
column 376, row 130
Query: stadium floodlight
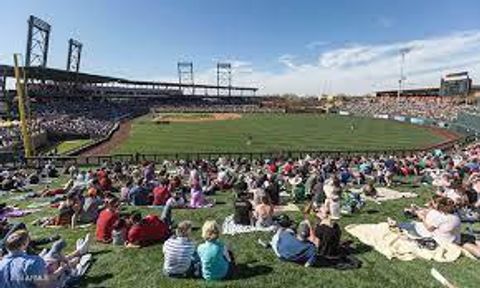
column 403, row 52
column 224, row 77
column 185, row 77
column 37, row 42
column 74, row 55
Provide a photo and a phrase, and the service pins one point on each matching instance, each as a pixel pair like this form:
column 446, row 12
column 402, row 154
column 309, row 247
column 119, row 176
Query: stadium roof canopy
column 40, row 73
column 172, row 84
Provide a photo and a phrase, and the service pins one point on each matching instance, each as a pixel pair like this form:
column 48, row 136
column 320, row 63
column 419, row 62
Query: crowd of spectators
column 432, row 107
column 207, row 108
column 85, row 118
column 9, row 136
column 324, row 184
column 92, row 118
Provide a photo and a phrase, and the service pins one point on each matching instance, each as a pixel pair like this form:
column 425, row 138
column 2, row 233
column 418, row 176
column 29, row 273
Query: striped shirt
column 178, row 253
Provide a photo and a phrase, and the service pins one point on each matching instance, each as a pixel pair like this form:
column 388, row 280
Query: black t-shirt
column 318, row 193
column 273, row 191
column 242, row 209
column 329, row 239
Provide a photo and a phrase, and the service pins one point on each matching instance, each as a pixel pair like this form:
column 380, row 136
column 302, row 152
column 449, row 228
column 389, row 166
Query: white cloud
column 287, row 60
column 362, row 68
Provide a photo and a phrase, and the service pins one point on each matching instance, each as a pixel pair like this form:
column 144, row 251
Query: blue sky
column 306, row 47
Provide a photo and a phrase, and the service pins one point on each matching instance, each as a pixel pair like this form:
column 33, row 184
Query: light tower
column 185, row 76
column 74, row 55
column 37, row 42
column 403, row 52
column 224, row 77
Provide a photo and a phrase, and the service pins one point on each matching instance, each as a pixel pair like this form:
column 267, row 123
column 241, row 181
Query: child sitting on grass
column 119, row 232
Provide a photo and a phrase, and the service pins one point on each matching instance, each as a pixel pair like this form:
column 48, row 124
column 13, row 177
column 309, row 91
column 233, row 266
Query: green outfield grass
column 275, row 133
column 121, row 267
column 67, row 146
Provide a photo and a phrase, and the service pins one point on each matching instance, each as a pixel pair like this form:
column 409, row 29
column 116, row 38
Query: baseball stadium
column 109, row 181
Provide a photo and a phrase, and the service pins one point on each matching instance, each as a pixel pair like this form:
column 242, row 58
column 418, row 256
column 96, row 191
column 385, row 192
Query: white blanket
column 386, row 194
column 230, row 228
column 394, row 244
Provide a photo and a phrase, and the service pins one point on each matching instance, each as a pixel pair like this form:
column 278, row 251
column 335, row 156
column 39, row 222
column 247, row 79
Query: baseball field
column 180, row 133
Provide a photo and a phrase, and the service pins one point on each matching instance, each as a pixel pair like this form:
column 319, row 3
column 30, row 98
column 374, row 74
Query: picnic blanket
column 290, row 207
column 230, row 228
column 394, row 244
column 386, row 194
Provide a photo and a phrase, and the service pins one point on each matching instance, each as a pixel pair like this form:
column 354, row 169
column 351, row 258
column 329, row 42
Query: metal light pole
column 403, row 52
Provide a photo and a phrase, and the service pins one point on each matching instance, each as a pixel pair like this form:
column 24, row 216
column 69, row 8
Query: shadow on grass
column 372, row 211
column 245, row 271
column 360, row 248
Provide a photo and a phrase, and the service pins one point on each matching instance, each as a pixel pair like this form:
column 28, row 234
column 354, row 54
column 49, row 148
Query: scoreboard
column 456, row 84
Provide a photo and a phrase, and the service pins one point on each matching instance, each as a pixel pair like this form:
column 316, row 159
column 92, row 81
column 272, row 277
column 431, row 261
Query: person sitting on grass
column 298, row 188
column 119, row 232
column 146, row 231
column 6, row 229
column 177, row 199
column 439, row 220
column 124, row 190
column 326, row 236
column 138, row 194
column 318, row 194
column 106, row 219
column 55, row 258
column 91, row 207
column 68, row 212
column 18, row 269
column 264, row 213
column 333, row 193
column 242, row 209
column 161, row 193
column 216, row 260
column 181, row 258
column 273, row 189
column 197, row 198
column 369, row 189
column 292, row 247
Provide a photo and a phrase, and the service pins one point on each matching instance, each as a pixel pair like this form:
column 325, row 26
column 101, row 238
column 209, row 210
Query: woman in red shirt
column 146, row 231
column 106, row 220
column 161, row 193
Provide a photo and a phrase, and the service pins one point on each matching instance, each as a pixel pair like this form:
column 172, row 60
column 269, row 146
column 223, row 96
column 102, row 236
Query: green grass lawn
column 120, row 267
column 67, row 146
column 275, row 133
